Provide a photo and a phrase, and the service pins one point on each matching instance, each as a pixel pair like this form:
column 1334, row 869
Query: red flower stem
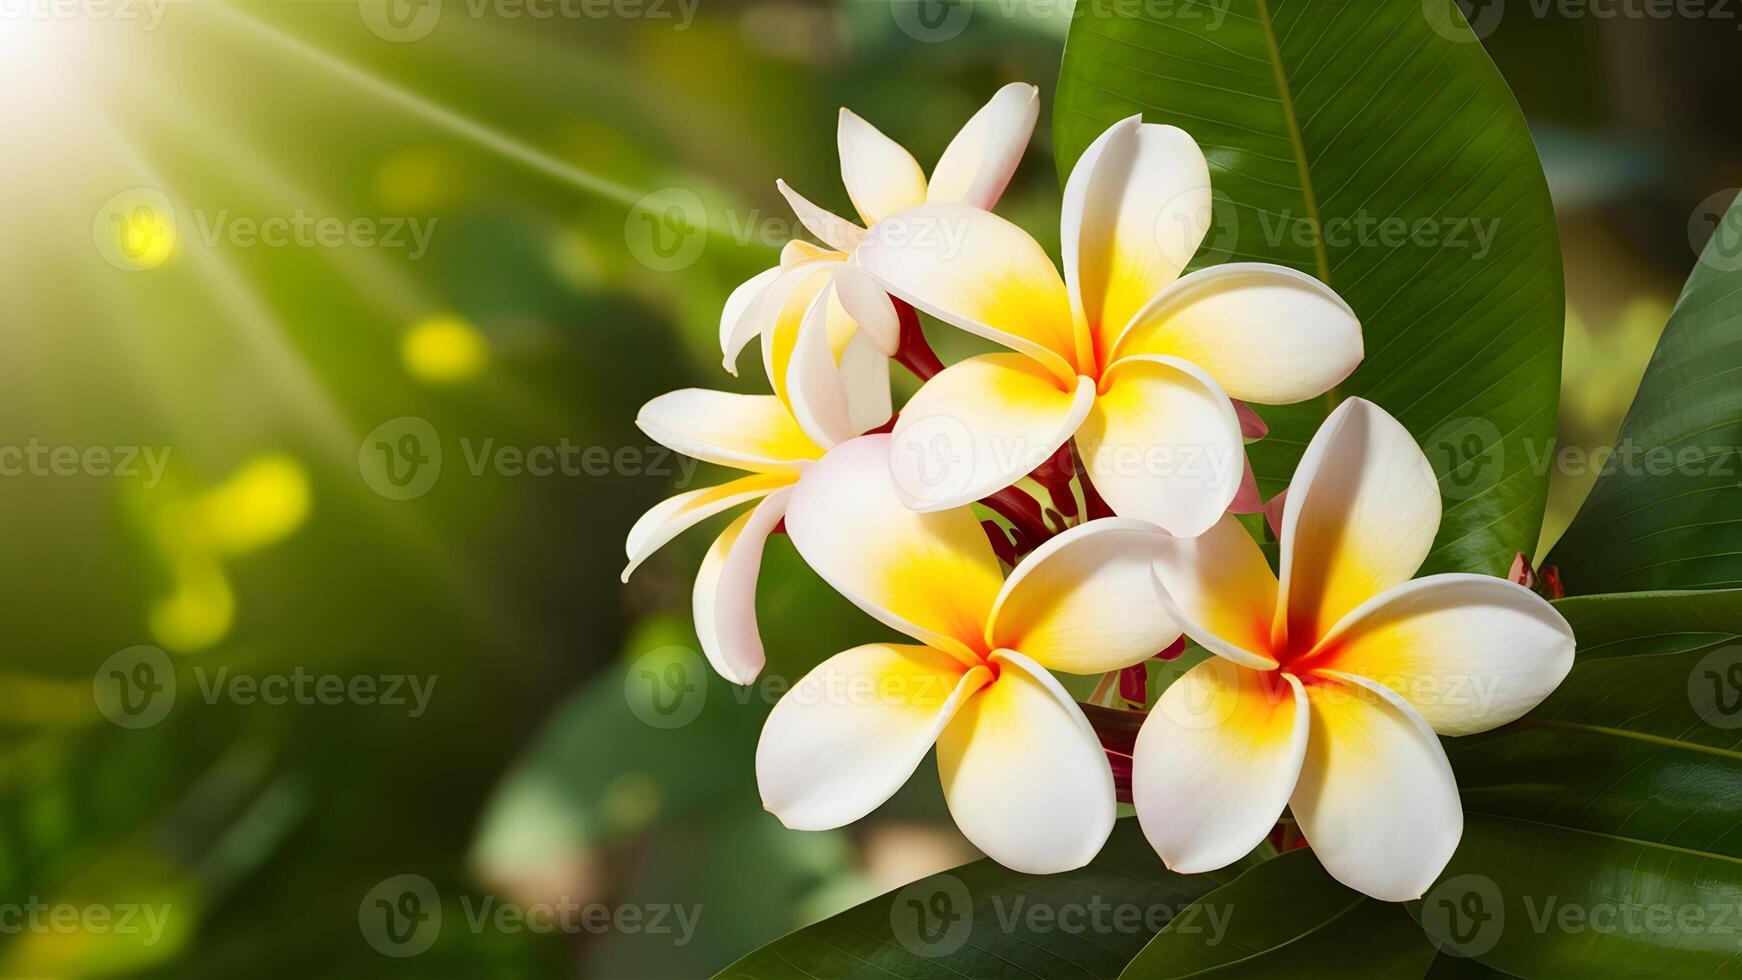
column 1094, row 507
column 1024, row 515
column 912, row 351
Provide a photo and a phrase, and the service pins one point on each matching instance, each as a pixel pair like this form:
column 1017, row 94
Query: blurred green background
column 253, row 249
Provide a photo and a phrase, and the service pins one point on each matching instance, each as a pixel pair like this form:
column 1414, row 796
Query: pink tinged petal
column 852, row 731
column 979, row 272
column 978, row 164
column 1361, row 516
column 880, row 175
column 931, row 576
column 1162, row 444
column 1216, row 761
column 1220, row 590
column 1376, row 798
column 675, row 515
column 833, row 230
column 1251, row 426
column 1273, row 511
column 1136, row 208
column 724, row 601
column 741, row 317
column 747, row 432
column 980, row 425
column 1084, row 602
column 869, row 306
column 1468, row 652
column 1024, row 774
column 1247, row 499
column 1266, row 333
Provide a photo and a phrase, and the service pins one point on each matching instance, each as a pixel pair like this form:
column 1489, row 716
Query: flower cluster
column 1121, row 401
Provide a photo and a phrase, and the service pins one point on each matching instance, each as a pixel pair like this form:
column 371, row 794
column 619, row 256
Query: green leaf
column 1666, row 513
column 985, row 921
column 1639, row 623
column 1286, row 918
column 1329, row 127
column 1601, row 836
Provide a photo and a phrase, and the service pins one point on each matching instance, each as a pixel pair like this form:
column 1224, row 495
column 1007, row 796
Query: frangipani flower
column 772, row 437
column 1122, row 352
column 1328, row 687
column 1025, row 776
column 881, row 179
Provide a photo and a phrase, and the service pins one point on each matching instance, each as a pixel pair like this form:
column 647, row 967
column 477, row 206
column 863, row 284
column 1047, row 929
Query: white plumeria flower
column 881, row 178
column 1024, row 774
column 1122, row 352
column 1328, row 687
column 773, row 437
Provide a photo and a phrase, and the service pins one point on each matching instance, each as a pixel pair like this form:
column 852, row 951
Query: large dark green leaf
column 1601, row 835
column 1286, row 919
column 983, row 921
column 1637, row 623
column 1667, row 511
column 1326, row 124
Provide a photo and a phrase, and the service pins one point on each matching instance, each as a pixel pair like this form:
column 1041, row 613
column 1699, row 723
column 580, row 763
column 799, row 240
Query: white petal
column 980, row 425
column 675, row 515
column 1216, row 761
column 880, row 175
column 814, row 385
column 833, row 230
column 1266, row 333
column 978, row 164
column 1025, row 776
column 1220, row 590
column 865, row 372
column 1468, row 652
column 1360, row 517
column 851, row 732
column 1162, row 444
column 973, row 269
column 931, row 576
column 1084, row 602
column 1136, row 208
column 748, row 432
column 869, row 306
column 778, row 307
column 724, row 601
column 1376, row 799
column 741, row 319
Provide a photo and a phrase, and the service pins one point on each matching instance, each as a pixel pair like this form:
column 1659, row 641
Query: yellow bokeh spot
column 259, row 504
column 416, row 180
column 444, row 349
column 200, row 610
